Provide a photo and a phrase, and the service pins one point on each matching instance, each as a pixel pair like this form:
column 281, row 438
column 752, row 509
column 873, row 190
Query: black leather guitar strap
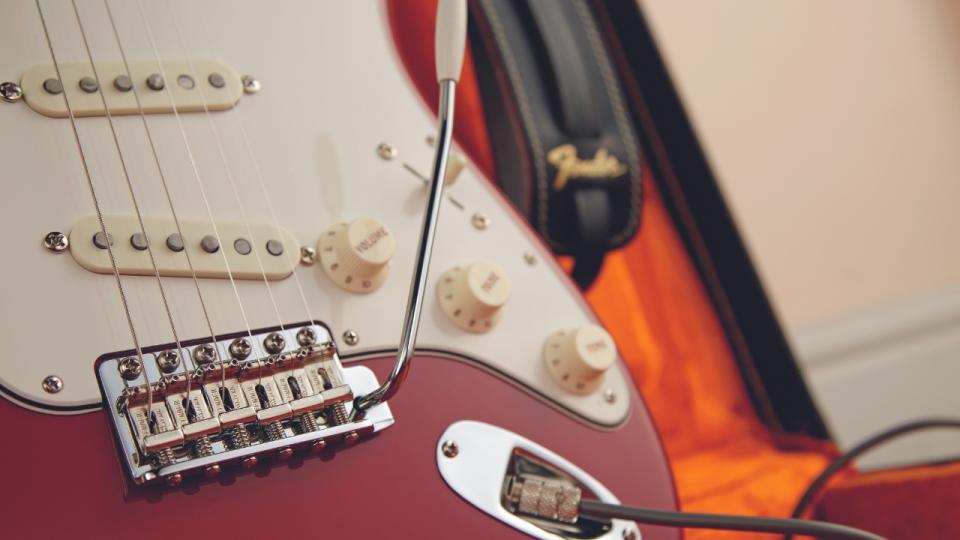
column 566, row 151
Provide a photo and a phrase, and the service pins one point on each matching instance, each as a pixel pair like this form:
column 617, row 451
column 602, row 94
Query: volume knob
column 578, row 358
column 473, row 296
column 356, row 255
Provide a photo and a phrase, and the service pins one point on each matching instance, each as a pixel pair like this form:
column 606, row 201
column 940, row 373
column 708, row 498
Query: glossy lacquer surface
column 62, row 478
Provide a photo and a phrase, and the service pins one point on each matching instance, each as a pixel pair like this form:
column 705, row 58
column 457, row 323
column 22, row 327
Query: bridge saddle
column 233, row 400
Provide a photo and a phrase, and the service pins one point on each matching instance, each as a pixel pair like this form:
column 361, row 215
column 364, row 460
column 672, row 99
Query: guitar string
column 169, row 198
column 99, row 211
column 228, row 171
column 129, row 182
column 293, row 254
column 203, row 194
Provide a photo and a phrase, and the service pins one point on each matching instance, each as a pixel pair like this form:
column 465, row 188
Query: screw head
column 10, row 92
column 168, row 361
column 318, row 445
column 480, row 221
column 629, row 534
column 274, row 342
column 130, row 368
column 306, row 336
column 529, row 258
column 56, row 242
column 205, row 354
column 308, row 256
column 351, row 337
column 450, row 449
column 52, row 384
column 240, row 348
column 248, row 462
column 284, row 453
column 250, row 84
column 351, row 438
column 609, row 396
column 174, row 479
column 211, row 471
column 387, row 151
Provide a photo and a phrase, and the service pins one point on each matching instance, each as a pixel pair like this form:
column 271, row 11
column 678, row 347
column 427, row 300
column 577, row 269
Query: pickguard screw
column 52, row 384
column 56, row 242
column 450, row 449
column 308, row 256
column 250, row 84
column 629, row 534
column 386, row 151
column 609, row 396
column 10, row 92
column 351, row 337
column 130, row 368
column 530, row 258
column 480, row 221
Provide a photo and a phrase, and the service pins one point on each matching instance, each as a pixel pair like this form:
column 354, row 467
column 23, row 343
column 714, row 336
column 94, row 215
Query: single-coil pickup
column 214, row 252
column 161, row 87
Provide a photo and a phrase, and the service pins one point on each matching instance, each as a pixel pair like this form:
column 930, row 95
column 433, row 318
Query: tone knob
column 473, row 296
column 356, row 255
column 578, row 358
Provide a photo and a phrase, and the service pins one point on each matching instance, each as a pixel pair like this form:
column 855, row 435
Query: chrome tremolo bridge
column 233, row 400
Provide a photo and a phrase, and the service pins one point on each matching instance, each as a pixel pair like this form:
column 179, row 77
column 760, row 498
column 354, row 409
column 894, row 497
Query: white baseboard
column 886, row 366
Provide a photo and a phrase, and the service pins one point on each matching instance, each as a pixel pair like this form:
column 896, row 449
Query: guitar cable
column 691, row 520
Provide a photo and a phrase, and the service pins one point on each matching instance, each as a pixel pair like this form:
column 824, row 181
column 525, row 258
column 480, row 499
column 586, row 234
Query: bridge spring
column 338, row 414
column 308, row 422
column 274, row 431
column 237, row 437
column 165, row 457
column 202, row 447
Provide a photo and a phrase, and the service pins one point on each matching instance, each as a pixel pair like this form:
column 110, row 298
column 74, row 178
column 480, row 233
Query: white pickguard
column 333, row 89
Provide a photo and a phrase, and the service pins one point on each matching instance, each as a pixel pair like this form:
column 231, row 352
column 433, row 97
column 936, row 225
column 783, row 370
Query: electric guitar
column 212, row 212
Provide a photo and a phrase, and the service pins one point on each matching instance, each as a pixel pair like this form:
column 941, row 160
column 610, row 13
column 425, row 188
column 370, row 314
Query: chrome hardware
column 418, row 282
column 450, row 449
column 306, row 336
column 308, row 256
column 130, row 368
column 480, row 221
column 274, row 342
column 530, row 258
column 387, row 151
column 168, row 361
column 240, row 348
column 205, row 354
column 52, row 384
column 351, row 337
column 250, row 84
column 56, row 242
column 10, row 92
column 609, row 396
column 236, row 411
column 523, row 484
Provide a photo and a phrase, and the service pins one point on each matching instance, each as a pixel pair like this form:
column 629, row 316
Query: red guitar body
column 65, row 481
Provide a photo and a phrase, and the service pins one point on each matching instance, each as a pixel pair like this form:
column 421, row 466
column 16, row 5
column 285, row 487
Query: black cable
column 725, row 522
column 838, row 464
